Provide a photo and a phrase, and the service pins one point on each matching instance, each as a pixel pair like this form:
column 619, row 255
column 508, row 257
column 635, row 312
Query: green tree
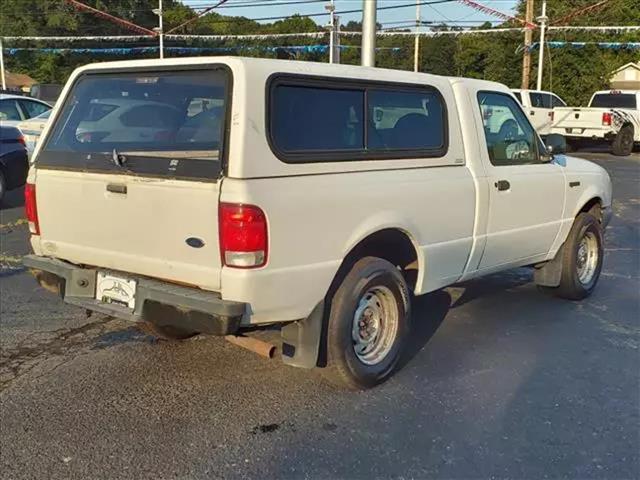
column 572, row 73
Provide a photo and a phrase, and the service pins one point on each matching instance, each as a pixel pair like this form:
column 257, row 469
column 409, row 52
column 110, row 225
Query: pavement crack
column 32, row 351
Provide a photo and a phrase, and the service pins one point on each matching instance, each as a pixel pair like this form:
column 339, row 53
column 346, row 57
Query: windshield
column 155, row 114
column 614, row 100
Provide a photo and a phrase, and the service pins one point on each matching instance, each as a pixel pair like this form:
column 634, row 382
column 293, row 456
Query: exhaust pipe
column 264, row 349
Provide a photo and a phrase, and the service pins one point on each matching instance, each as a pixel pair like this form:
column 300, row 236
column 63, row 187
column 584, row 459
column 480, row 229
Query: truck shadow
column 430, row 310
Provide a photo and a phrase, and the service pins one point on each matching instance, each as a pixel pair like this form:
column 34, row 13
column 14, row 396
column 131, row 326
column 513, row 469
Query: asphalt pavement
column 502, row 381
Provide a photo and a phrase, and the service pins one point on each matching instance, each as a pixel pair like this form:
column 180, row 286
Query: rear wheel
column 623, row 143
column 165, row 332
column 582, row 256
column 3, row 185
column 368, row 325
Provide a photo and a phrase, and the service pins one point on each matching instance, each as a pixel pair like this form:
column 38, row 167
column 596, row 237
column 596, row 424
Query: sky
column 450, row 12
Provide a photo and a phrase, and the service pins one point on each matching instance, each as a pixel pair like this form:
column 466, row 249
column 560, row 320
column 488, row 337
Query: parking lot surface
column 501, row 381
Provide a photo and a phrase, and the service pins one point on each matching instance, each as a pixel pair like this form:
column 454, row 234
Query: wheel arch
column 593, row 206
column 392, row 243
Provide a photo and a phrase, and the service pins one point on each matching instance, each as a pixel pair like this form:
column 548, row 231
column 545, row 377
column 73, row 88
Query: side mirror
column 556, row 144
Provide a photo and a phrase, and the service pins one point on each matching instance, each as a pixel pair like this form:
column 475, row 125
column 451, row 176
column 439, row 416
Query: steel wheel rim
column 375, row 325
column 587, row 258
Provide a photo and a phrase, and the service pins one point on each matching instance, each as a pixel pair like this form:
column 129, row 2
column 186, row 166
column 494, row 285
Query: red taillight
column 22, row 140
column 551, row 115
column 606, row 119
column 31, row 208
column 243, row 235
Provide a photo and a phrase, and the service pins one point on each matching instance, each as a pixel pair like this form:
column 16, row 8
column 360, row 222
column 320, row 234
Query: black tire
column 165, row 332
column 573, row 145
column 345, row 368
column 622, row 145
column 571, row 287
column 3, row 186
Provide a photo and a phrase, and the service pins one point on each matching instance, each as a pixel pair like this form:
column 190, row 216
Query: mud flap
column 549, row 274
column 301, row 339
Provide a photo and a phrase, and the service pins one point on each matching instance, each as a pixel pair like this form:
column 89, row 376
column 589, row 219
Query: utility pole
column 369, row 11
column 543, row 25
column 4, row 79
column 528, row 37
column 160, row 28
column 334, row 39
column 416, row 46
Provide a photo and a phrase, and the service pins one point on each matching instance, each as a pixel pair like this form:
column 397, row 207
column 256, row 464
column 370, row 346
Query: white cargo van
column 209, row 195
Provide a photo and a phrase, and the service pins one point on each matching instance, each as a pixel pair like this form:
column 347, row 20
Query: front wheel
column 582, row 255
column 368, row 324
column 573, row 145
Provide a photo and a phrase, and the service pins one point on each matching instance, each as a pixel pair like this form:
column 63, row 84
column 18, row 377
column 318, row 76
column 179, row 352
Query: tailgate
column 128, row 177
column 578, row 118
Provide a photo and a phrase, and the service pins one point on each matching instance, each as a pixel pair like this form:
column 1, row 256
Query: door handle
column 117, row 188
column 502, row 185
column 533, row 112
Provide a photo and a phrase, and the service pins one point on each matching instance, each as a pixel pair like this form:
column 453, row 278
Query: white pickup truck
column 230, row 193
column 613, row 117
column 539, row 106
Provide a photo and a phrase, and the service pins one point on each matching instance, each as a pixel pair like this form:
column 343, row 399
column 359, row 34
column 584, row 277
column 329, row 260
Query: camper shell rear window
column 160, row 123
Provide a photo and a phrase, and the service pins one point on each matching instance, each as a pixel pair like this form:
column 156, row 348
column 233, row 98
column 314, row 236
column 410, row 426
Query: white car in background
column 32, row 129
column 123, row 120
column 539, row 105
column 16, row 108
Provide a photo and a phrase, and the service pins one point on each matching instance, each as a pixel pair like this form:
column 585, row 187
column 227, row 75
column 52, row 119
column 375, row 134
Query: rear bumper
column 585, row 133
column 157, row 302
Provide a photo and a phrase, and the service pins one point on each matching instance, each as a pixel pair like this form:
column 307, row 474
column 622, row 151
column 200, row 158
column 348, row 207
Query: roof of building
column 624, row 67
column 18, row 80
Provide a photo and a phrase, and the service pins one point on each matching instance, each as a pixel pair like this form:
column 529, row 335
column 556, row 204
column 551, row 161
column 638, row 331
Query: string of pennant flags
column 191, row 50
column 606, row 45
column 318, row 48
column 267, row 36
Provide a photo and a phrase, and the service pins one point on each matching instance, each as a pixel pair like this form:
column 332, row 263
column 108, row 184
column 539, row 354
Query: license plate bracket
column 115, row 289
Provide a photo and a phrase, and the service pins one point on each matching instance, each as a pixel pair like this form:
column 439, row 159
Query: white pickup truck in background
column 233, row 193
column 539, row 106
column 613, row 116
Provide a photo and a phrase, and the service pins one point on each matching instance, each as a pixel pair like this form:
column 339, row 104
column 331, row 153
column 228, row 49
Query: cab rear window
column 157, row 122
column 614, row 100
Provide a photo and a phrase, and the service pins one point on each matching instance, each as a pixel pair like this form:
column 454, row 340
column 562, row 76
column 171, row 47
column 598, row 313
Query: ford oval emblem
column 195, row 242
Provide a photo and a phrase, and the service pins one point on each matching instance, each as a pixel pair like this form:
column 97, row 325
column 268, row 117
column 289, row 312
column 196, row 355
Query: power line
column 341, row 12
column 200, row 15
column 260, row 3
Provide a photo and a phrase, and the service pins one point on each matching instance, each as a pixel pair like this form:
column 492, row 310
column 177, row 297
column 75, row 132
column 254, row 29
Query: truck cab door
column 526, row 194
column 540, row 113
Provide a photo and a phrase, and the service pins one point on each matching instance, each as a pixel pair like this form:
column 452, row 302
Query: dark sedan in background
column 14, row 162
